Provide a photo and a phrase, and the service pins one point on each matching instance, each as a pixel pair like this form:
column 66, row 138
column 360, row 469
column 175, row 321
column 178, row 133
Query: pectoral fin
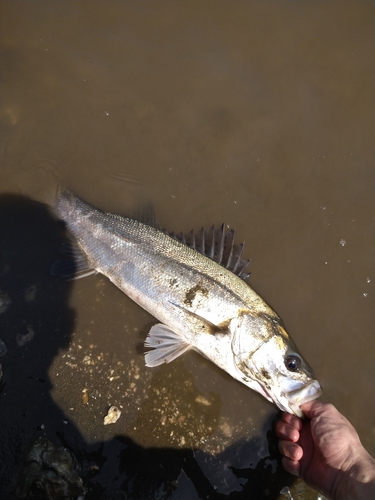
column 167, row 345
column 203, row 325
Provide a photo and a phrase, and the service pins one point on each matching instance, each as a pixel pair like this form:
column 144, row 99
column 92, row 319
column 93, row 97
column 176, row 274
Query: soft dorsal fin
column 146, row 214
column 218, row 245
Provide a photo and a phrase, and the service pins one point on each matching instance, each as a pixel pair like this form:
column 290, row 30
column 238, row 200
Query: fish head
column 273, row 366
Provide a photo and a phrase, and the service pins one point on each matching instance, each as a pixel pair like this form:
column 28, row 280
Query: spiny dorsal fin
column 218, row 245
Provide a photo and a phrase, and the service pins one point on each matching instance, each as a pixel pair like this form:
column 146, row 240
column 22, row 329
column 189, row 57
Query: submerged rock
column 110, row 494
column 3, row 348
column 48, row 472
column 5, row 301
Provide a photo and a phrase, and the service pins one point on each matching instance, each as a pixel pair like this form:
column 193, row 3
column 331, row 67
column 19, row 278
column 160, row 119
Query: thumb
column 313, row 408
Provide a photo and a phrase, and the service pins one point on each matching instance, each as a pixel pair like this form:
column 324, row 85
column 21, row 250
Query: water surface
column 256, row 114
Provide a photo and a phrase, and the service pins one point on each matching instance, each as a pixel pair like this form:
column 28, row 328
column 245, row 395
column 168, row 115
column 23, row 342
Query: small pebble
column 112, row 416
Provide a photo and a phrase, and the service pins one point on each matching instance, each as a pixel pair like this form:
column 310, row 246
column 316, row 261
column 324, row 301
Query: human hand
column 326, row 452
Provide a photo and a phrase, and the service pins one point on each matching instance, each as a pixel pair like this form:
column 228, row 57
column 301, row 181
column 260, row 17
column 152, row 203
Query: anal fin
column 167, row 345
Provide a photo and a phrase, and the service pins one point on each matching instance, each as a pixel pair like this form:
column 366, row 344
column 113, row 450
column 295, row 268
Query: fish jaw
column 291, row 401
column 303, row 395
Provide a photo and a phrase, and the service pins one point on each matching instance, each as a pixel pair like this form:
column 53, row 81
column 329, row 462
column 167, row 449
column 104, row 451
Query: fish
column 197, row 287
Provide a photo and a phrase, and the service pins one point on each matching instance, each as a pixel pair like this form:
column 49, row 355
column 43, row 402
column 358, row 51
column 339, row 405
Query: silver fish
column 196, row 288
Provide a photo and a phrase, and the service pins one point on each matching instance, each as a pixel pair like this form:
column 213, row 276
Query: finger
column 290, row 450
column 292, row 420
column 291, row 466
column 286, row 431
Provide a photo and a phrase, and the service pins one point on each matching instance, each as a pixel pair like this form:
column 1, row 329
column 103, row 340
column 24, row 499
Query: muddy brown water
column 256, row 114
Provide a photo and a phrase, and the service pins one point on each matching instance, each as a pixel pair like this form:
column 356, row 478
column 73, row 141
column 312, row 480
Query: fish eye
column 293, row 362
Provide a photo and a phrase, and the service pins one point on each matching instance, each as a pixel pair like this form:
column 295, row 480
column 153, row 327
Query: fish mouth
column 304, row 394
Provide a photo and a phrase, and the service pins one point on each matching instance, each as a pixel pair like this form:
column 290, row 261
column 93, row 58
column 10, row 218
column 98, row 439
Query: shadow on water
column 36, row 323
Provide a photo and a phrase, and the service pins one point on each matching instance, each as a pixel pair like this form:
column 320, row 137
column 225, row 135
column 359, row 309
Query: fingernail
column 294, row 471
